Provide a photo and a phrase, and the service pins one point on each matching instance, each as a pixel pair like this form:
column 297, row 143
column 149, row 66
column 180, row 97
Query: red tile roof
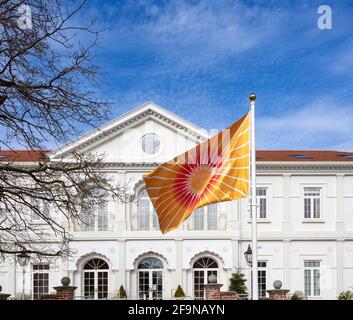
column 300, row 155
column 23, row 155
column 261, row 155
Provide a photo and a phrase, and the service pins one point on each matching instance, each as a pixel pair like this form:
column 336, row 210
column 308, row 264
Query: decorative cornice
column 305, row 167
column 203, row 254
column 151, row 253
column 91, row 255
column 149, row 113
column 131, row 164
column 343, row 167
column 347, row 167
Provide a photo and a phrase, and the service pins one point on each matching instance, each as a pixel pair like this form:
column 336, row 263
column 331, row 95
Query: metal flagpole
column 253, row 206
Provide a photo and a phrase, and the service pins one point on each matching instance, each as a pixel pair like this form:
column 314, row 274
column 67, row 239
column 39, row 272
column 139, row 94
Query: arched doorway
column 95, row 279
column 202, row 269
column 150, row 278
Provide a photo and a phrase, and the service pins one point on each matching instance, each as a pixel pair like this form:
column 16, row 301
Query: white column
column 287, row 248
column 286, row 223
column 121, row 211
column 12, row 277
column 235, row 254
column 122, row 265
column 186, row 287
column 340, row 228
column 131, row 292
column 179, row 265
column 340, row 203
column 340, row 267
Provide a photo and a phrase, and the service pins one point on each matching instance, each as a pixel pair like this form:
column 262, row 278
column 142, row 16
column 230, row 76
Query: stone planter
column 277, row 293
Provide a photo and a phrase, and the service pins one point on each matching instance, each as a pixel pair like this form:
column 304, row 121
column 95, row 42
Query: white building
column 305, row 225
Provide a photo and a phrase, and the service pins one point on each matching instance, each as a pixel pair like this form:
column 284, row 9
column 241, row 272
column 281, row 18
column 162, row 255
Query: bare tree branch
column 48, row 88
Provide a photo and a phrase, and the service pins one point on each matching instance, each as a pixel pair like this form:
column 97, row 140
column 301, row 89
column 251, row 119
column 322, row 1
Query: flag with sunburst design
column 214, row 171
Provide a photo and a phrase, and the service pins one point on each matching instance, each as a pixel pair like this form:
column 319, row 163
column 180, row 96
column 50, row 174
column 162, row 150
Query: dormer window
column 347, row 156
column 300, row 156
column 150, row 143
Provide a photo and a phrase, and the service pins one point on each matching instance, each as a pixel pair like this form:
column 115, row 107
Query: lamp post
column 248, row 256
column 23, row 259
column 248, row 259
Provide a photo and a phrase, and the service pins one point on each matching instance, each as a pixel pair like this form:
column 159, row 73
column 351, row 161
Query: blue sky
column 201, row 59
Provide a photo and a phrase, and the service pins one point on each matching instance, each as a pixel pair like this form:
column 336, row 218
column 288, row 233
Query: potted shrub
column 122, row 293
column 237, row 283
column 345, row 295
column 296, row 296
column 179, row 293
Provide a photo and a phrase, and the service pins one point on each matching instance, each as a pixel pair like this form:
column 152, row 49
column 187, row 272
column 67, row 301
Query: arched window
column 150, row 263
column 95, row 279
column 95, row 212
column 204, row 218
column 202, row 269
column 95, row 264
column 205, row 263
column 150, row 278
column 146, row 215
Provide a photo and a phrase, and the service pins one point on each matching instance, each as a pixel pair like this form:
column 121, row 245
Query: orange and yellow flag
column 214, row 171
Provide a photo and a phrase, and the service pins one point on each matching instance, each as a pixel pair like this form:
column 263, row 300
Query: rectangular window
column 144, row 214
column 261, row 197
column 204, row 218
column 211, row 217
column 199, row 283
column 199, row 219
column 102, row 211
column 312, row 278
column 95, row 212
column 43, row 207
column 155, row 222
column 312, row 200
column 40, row 278
column 88, row 219
column 262, row 278
column 146, row 217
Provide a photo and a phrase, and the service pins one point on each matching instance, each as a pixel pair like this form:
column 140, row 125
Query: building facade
column 305, row 222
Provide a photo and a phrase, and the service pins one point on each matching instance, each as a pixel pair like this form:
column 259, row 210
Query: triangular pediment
column 121, row 139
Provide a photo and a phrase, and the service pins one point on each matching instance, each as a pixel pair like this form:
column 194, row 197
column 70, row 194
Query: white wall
column 285, row 240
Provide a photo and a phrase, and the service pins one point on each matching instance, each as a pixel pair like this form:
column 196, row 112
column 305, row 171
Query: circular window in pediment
column 150, row 143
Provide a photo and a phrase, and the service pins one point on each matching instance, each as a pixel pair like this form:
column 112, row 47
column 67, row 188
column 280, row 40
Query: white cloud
column 206, row 29
column 324, row 124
